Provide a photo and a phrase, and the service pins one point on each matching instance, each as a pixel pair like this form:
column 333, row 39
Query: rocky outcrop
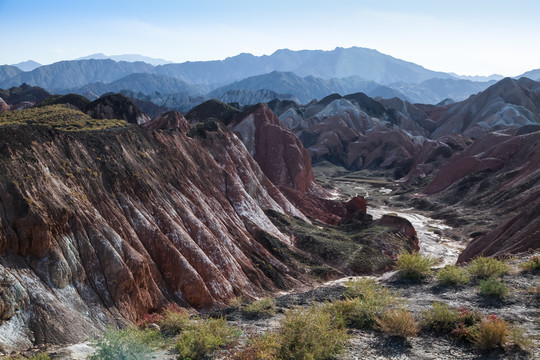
column 403, row 225
column 519, row 234
column 168, row 120
column 279, row 153
column 116, row 106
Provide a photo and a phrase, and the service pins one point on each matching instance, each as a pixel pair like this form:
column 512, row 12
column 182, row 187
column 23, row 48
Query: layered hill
column 506, row 104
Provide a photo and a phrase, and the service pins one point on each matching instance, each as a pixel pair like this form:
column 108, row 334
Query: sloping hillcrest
column 19, row 97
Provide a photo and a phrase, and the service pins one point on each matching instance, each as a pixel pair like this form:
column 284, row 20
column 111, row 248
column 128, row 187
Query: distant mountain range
column 304, row 75
column 28, row 65
column 127, row 57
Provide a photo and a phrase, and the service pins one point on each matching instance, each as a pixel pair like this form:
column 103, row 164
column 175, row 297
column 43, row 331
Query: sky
column 473, row 37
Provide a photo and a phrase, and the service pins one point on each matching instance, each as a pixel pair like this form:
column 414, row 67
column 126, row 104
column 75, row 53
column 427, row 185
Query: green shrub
column 126, row 344
column 261, row 347
column 58, row 117
column 453, row 275
column 263, row 307
column 41, row 356
column 398, row 322
column 516, row 335
column 414, row 265
column 493, row 287
column 483, row 267
column 203, row 336
column 532, row 265
column 371, row 301
column 236, row 302
column 491, row 332
column 310, row 333
column 440, row 318
column 173, row 320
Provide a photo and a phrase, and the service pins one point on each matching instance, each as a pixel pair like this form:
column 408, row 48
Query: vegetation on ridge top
column 58, row 117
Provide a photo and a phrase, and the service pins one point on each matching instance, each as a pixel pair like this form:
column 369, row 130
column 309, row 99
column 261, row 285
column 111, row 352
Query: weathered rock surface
column 520, row 233
column 279, row 153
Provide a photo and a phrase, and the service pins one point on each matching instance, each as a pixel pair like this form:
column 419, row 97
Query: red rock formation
column 403, row 225
column 516, row 235
column 279, row 153
column 168, row 120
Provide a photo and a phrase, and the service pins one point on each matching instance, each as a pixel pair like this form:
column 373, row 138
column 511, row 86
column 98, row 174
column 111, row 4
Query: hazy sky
column 473, row 37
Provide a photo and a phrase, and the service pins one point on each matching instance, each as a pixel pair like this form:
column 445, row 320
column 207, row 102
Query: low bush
column 261, row 308
column 310, row 333
column 41, row 356
column 414, row 265
column 371, row 301
column 460, row 323
column 204, row 336
column 516, row 335
column 453, row 275
column 440, row 318
column 491, row 332
column 127, row 344
column 236, row 302
column 173, row 320
column 398, row 322
column 261, row 347
column 483, row 267
column 493, row 287
column 533, row 264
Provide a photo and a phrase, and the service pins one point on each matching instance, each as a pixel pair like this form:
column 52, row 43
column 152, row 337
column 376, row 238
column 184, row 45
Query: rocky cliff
column 108, row 225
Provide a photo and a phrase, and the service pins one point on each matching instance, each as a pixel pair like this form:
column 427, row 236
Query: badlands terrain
column 112, row 215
